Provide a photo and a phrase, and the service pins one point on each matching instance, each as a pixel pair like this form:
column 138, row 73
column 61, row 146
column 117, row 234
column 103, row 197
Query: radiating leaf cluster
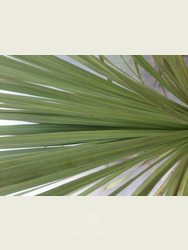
column 108, row 115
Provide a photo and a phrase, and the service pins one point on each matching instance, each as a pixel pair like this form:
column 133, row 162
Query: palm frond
column 107, row 116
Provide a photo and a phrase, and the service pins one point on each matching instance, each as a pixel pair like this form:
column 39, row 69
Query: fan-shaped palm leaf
column 110, row 116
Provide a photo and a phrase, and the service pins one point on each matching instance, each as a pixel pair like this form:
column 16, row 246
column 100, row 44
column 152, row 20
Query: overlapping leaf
column 108, row 114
